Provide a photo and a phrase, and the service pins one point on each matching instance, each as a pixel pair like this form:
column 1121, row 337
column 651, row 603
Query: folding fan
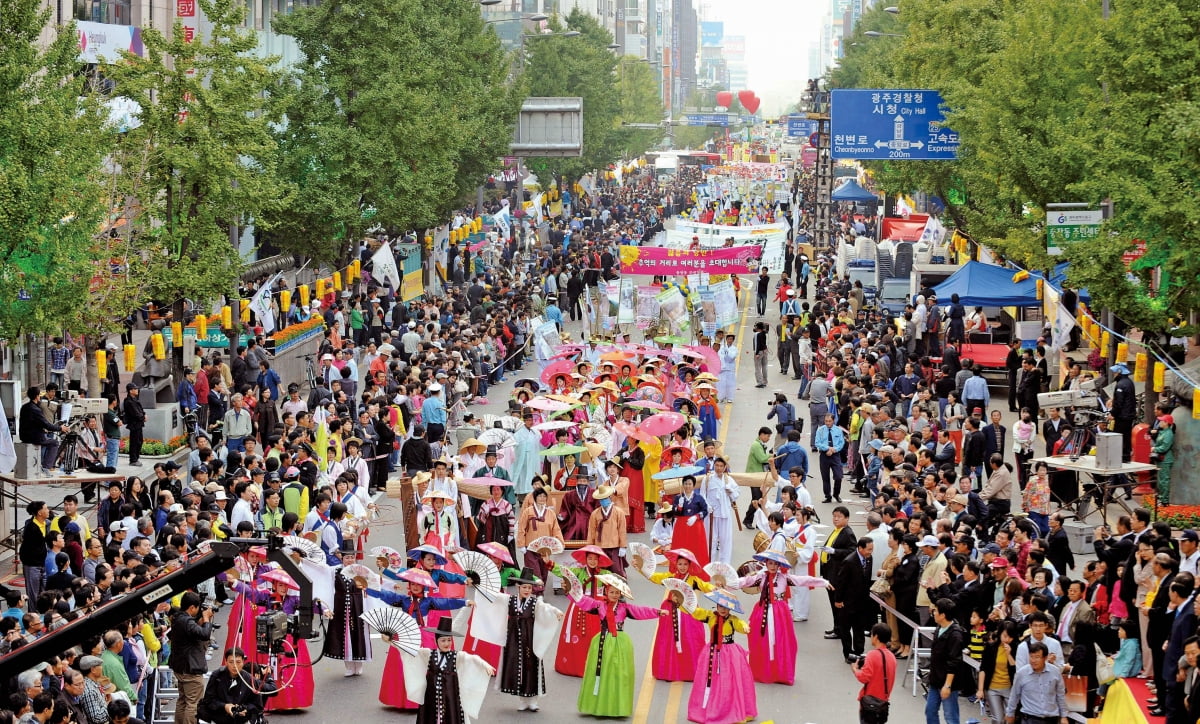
column 643, row 552
column 395, row 557
column 308, row 549
column 722, row 574
column 689, row 595
column 354, row 571
column 555, row 545
column 402, row 630
column 572, row 584
column 480, row 569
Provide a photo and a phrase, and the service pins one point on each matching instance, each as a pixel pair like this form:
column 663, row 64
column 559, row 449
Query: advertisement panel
column 412, row 283
column 711, row 34
column 101, row 42
column 661, row 261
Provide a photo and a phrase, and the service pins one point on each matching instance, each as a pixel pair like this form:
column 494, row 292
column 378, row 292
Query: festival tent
column 987, row 285
column 904, row 228
column 852, row 191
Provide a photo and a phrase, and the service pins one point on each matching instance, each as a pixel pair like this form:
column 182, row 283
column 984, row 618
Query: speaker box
column 1108, row 450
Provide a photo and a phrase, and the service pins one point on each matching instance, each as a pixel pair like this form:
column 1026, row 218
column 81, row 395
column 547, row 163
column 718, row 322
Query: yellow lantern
column 1139, row 367
column 244, row 310
column 337, row 281
column 303, row 295
column 176, row 334
column 1040, row 289
column 101, row 361
column 226, row 317
column 1122, row 351
column 320, row 289
column 130, row 353
column 1104, row 340
column 1160, row 377
column 201, row 326
column 1196, row 403
column 354, row 273
column 285, row 300
column 158, row 346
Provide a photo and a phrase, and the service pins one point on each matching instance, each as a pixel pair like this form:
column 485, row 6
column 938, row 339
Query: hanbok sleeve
column 739, row 625
column 640, row 612
column 472, row 682
column 545, row 628
column 416, row 667
column 808, row 581
column 490, row 622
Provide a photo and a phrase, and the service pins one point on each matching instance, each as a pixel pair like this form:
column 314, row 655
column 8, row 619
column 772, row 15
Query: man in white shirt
column 1039, row 622
column 1189, row 552
column 353, row 461
column 878, row 533
column 242, row 509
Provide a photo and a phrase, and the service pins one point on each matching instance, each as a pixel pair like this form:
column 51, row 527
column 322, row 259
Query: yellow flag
column 322, row 443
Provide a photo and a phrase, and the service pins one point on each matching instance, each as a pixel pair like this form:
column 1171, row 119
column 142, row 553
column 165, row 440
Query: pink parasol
column 646, row 404
column 565, row 355
column 561, row 367
column 488, row 481
column 663, row 423
column 633, row 431
column 711, row 358
column 278, row 576
column 547, row 405
column 553, row 425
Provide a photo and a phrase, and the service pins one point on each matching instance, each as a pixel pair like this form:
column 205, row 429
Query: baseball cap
column 992, row 548
column 116, row 526
column 929, row 541
column 1000, row 562
column 291, row 473
column 876, row 444
column 1191, row 535
column 327, row 356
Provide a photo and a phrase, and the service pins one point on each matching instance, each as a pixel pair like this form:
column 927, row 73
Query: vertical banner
column 674, row 309
column 708, row 311
column 625, row 308
column 611, row 304
column 725, row 302
column 647, row 307
column 412, row 284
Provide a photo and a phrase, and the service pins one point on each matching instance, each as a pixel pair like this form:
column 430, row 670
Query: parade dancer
column 809, row 558
column 450, row 684
column 449, row 583
column 679, row 640
column 347, row 638
column 525, row 626
column 579, row 628
column 608, row 680
column 723, row 692
column 607, row 529
column 720, row 491
column 772, row 636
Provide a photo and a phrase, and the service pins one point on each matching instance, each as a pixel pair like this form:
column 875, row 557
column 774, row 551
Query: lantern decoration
column 158, row 346
column 1040, row 289
column 226, row 317
column 130, row 353
column 244, row 310
column 1160, row 378
column 1140, row 361
column 303, row 295
column 176, row 334
column 1122, row 351
column 1020, row 276
column 285, row 301
column 337, row 281
column 1104, row 340
column 101, row 361
column 320, row 288
column 1196, row 403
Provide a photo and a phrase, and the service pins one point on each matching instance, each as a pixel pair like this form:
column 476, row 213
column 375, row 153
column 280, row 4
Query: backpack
column 934, row 320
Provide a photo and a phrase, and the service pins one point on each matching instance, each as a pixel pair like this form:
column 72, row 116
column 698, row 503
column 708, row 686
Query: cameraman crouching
column 190, row 630
column 232, row 695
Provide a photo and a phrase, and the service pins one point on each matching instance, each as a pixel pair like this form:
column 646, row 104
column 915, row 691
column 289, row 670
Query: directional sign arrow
column 918, row 144
column 881, row 144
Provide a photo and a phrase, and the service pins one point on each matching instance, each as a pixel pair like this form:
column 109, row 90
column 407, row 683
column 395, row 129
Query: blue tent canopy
column 852, row 191
column 1058, row 277
column 987, row 285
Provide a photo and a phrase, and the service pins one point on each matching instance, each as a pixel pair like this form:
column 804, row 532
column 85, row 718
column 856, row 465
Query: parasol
column 495, row 436
column 633, row 431
column 561, row 367
column 615, row 356
column 683, row 589
column 487, row 481
column 663, row 423
column 547, row 405
column 711, row 359
column 646, row 404
column 643, row 558
column 566, row 399
column 679, row 472
column 553, row 425
column 671, row 339
column 278, row 576
column 562, row 449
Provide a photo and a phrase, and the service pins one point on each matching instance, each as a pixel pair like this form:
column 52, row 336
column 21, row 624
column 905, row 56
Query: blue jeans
column 235, row 444
column 949, row 706
column 110, row 452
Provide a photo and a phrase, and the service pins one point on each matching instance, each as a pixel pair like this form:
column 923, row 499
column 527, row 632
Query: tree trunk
column 91, row 343
column 178, row 314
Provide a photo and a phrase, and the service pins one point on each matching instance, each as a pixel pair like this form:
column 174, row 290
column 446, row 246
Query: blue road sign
column 706, row 119
column 798, row 126
column 890, row 123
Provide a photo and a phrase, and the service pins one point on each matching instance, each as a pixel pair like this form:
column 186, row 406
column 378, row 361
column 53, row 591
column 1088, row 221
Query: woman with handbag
column 882, row 586
column 905, row 583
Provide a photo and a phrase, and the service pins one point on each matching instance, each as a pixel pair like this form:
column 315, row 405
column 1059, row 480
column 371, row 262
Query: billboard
column 103, row 42
column 549, row 127
column 711, row 34
column 734, row 48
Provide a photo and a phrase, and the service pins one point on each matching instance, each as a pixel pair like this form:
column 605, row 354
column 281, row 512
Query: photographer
column 232, row 695
column 191, row 629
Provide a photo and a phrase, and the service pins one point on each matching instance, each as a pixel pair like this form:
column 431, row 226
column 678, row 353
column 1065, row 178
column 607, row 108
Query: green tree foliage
column 52, row 204
column 398, row 108
column 580, row 66
column 638, row 89
column 202, row 158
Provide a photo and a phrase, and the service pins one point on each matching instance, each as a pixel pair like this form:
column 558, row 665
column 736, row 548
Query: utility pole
column 815, row 101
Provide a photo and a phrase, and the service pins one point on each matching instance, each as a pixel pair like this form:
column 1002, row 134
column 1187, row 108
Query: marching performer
column 809, row 558
column 347, row 639
column 450, row 684
column 579, row 628
column 772, row 637
column 524, row 625
column 721, row 492
column 446, row 575
column 608, row 680
column 537, row 521
column 679, row 640
column 663, row 531
column 723, row 691
column 691, row 509
column 606, row 528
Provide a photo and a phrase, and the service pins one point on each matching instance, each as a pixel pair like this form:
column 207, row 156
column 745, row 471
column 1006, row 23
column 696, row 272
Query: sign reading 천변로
column 900, row 123
column 1065, row 227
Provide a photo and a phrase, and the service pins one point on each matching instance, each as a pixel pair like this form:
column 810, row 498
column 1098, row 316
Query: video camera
column 1088, row 406
column 74, row 408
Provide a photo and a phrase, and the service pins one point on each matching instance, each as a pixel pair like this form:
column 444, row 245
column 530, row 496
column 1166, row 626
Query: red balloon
column 749, row 101
column 724, row 98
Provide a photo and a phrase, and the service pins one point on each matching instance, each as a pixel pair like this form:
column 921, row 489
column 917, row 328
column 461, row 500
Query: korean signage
column 706, row 119
column 412, row 283
column 102, row 42
column 1065, row 227
column 890, row 124
column 663, row 261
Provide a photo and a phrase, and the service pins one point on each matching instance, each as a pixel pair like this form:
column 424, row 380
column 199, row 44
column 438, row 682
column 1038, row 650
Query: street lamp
column 534, row 18
column 561, row 34
column 877, row 34
column 892, row 9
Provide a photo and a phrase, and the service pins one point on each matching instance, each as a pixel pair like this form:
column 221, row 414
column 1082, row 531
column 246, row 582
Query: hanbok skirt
column 578, row 630
column 773, row 664
column 609, row 692
column 487, row 651
column 391, row 689
column 692, row 537
column 296, row 674
column 731, row 698
column 676, row 660
column 241, row 625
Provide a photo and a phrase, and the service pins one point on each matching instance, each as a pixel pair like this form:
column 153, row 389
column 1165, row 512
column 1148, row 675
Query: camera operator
column 191, row 629
column 231, row 696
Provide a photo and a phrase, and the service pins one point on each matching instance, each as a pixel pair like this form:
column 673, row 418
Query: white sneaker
column 534, row 706
column 523, row 707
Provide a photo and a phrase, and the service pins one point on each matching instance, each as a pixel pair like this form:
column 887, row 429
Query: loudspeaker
column 1108, row 450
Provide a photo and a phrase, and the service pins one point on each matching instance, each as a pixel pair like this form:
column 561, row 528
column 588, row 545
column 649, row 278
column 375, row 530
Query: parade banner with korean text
column 668, row 262
column 412, row 283
column 647, row 306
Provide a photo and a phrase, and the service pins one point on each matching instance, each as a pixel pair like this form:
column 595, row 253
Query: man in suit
column 995, row 435
column 1191, row 683
column 1183, row 625
column 852, row 605
column 1012, row 365
column 1058, row 546
column 837, row 546
column 1075, row 611
column 1115, row 550
column 1054, row 429
column 1030, row 385
column 1165, row 568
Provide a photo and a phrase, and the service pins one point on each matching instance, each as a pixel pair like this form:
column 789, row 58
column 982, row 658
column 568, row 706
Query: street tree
column 640, row 102
column 398, row 109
